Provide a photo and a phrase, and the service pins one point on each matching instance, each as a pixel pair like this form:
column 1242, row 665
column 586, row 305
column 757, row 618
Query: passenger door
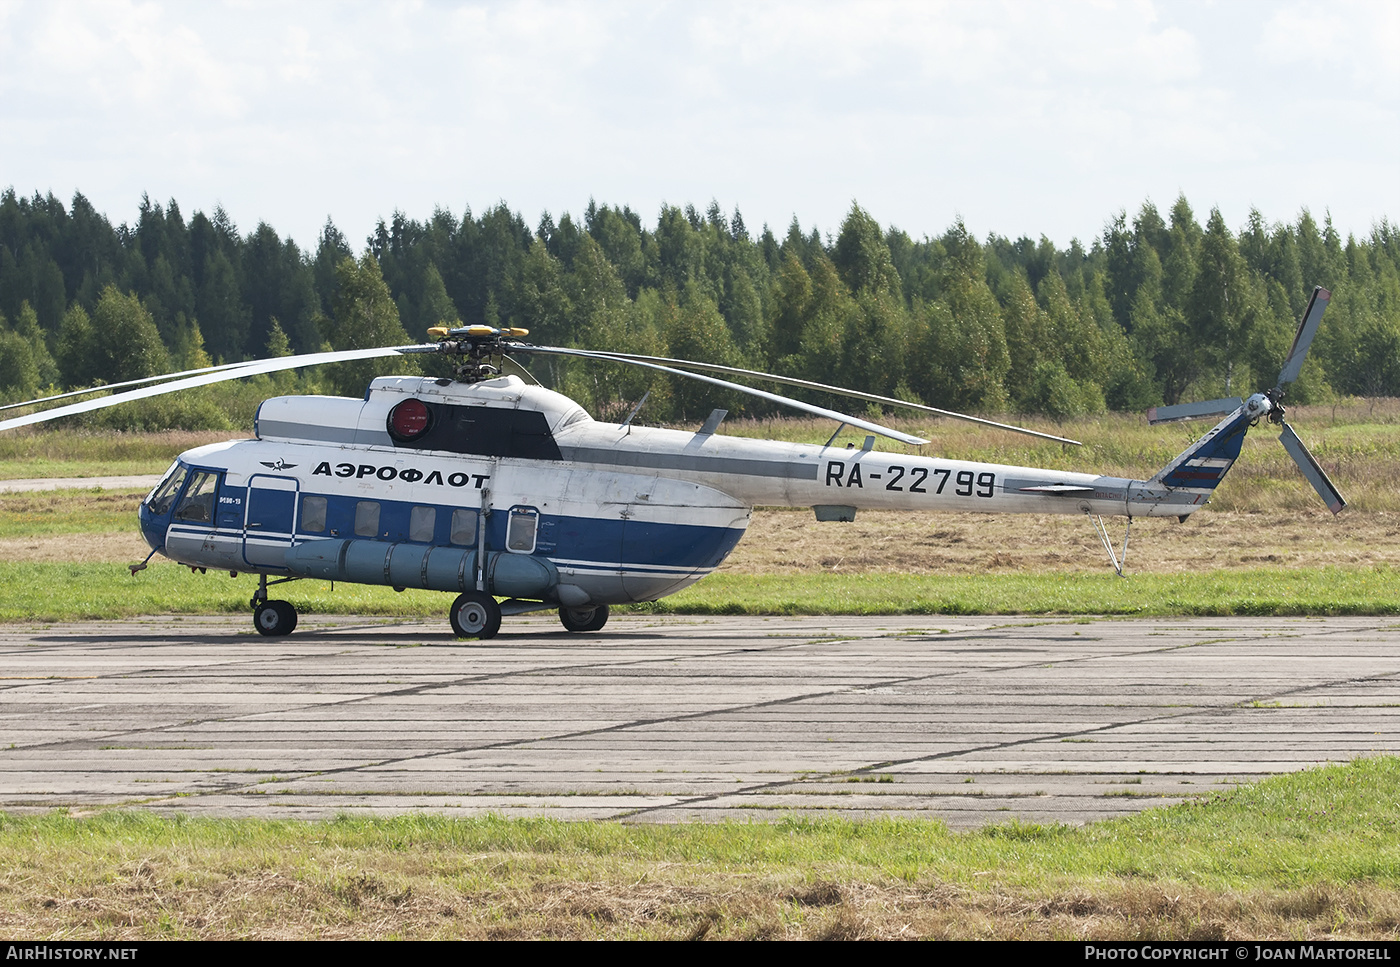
column 270, row 521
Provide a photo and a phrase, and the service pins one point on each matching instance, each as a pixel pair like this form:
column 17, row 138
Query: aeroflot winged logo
column 278, row 464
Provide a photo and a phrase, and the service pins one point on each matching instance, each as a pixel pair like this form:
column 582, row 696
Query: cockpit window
column 197, row 506
column 164, row 495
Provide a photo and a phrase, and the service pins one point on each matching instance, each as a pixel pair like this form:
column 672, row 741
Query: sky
column 1020, row 118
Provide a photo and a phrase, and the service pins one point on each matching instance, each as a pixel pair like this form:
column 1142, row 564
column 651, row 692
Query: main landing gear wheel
column 584, row 619
column 274, row 618
column 475, row 615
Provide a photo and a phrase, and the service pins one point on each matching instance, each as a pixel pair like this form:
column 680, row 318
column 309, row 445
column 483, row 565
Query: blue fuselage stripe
column 584, row 542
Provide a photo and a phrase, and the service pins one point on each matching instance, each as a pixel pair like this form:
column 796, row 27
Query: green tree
column 743, row 311
column 862, row 257
column 278, row 345
column 788, row 307
column 829, row 315
column 1221, row 306
column 620, row 238
column 606, row 319
column 75, row 348
column 543, row 304
column 27, row 327
column 699, row 332
column 364, row 317
column 125, row 341
column 187, row 352
column 222, row 310
column 436, row 308
column 1028, row 342
column 19, row 377
column 962, row 342
column 599, row 299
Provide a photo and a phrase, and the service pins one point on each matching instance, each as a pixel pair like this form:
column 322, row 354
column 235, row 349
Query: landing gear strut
column 584, row 619
column 272, row 618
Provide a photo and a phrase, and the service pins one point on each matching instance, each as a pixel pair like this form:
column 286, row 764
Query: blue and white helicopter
column 491, row 488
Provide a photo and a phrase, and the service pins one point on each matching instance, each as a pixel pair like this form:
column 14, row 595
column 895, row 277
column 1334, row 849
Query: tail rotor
column 1270, row 404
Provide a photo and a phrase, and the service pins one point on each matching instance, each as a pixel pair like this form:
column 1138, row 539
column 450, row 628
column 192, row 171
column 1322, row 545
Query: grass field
column 63, row 591
column 1312, row 855
column 37, row 452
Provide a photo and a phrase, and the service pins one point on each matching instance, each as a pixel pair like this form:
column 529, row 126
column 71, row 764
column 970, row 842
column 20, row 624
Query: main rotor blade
column 1324, row 487
column 1293, row 365
column 761, row 394
column 236, row 372
column 837, row 390
column 130, row 382
column 1193, row 411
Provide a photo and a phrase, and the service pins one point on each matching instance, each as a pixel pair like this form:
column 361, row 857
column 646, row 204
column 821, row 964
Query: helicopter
column 512, row 497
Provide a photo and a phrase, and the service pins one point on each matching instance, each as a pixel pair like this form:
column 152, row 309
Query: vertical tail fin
column 1202, row 465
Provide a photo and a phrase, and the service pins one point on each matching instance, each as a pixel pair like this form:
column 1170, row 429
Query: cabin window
column 422, row 521
column 463, row 527
column 164, row 494
column 197, row 506
column 313, row 514
column 520, row 531
column 367, row 518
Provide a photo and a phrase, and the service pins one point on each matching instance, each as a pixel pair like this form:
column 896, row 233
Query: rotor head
column 476, row 346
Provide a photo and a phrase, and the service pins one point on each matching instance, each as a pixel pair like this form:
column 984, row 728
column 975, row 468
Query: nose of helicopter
column 153, row 528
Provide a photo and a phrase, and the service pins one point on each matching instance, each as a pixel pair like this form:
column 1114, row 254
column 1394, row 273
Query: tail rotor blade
column 1193, row 411
column 1324, row 487
column 1293, row 365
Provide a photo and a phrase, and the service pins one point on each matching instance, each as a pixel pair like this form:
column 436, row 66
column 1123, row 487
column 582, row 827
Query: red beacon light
column 409, row 420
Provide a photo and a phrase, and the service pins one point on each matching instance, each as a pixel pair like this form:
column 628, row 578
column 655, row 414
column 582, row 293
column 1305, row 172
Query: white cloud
column 1026, row 117
column 1361, row 40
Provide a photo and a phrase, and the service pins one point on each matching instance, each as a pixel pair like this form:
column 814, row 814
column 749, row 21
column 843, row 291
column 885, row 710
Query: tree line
column 1159, row 308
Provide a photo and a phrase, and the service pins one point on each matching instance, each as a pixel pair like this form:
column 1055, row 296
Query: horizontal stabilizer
column 1324, row 487
column 1193, row 411
column 1064, row 489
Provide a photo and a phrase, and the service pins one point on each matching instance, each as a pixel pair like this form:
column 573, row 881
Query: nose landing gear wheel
column 584, row 619
column 475, row 615
column 274, row 618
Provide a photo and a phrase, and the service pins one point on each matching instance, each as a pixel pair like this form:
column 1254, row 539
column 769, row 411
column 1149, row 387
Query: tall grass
column 38, row 452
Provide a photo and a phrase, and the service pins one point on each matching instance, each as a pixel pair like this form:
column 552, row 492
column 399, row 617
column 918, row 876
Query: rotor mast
column 477, row 346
